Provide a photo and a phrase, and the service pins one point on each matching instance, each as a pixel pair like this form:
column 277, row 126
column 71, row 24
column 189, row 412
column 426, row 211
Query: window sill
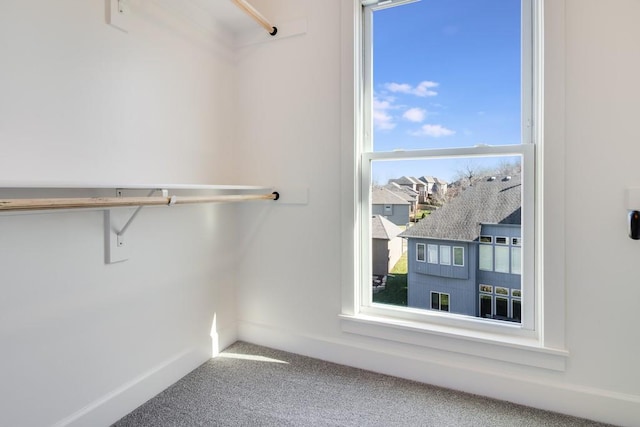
column 518, row 350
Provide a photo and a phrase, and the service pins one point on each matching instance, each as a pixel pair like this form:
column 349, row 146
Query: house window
column 445, row 255
column 485, row 257
column 401, row 138
column 432, row 254
column 486, row 289
column 388, row 209
column 384, row 108
column 420, row 252
column 486, row 306
column 439, row 301
column 458, row 256
column 516, row 260
column 501, row 259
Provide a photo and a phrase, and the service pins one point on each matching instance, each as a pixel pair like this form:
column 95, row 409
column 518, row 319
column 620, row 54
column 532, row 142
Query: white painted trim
column 109, row 408
column 443, row 369
column 514, row 350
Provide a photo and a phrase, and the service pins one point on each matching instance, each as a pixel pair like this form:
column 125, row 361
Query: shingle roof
column 404, row 180
column 382, row 228
column 403, row 191
column 488, row 201
column 382, row 196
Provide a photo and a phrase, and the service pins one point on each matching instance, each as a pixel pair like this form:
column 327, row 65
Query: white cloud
column 415, row 115
column 423, row 89
column 434, row 131
column 381, row 118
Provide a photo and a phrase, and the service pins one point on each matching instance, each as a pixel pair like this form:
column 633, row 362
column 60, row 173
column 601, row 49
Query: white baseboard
column 528, row 389
column 124, row 399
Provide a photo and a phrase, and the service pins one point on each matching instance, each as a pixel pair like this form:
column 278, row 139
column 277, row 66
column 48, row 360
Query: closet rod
column 251, row 11
column 112, row 202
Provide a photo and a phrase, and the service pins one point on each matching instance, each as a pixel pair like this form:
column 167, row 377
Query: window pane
column 515, row 304
column 445, row 255
column 420, row 256
column 458, row 256
column 485, row 306
column 435, row 300
column 502, row 305
column 516, row 260
column 502, row 259
column 433, row 254
column 486, row 257
column 447, row 74
column 444, row 302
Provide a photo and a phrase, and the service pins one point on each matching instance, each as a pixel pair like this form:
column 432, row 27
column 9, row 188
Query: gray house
column 465, row 258
column 406, row 193
column 390, row 205
column 386, row 246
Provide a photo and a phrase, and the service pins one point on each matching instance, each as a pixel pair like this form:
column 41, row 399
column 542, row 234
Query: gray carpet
column 250, row 385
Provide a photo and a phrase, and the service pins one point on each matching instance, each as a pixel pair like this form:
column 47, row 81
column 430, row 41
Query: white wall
column 82, row 342
column 290, row 282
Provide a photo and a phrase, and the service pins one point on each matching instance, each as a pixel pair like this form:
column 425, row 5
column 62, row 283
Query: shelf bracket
column 115, row 247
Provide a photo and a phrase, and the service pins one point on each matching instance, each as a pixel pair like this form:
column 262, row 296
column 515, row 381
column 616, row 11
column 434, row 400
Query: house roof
column 492, row 201
column 382, row 228
column 405, row 180
column 427, row 178
column 403, row 191
column 382, row 196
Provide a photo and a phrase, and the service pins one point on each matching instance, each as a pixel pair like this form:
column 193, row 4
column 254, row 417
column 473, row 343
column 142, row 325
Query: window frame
column 545, row 348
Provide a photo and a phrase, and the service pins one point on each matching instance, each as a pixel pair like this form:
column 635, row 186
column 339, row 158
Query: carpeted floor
column 248, row 385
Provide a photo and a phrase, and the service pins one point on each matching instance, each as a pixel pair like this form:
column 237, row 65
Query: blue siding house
column 465, row 258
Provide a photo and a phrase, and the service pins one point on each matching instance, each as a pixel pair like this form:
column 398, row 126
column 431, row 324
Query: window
column 458, row 256
column 516, row 260
column 439, row 301
column 445, row 255
column 485, row 257
column 417, row 131
column 420, row 252
column 432, row 254
column 388, row 209
column 502, row 259
column 371, row 160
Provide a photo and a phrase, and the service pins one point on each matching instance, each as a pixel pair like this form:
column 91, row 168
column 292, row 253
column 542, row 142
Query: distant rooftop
column 382, row 196
column 493, row 200
column 382, row 228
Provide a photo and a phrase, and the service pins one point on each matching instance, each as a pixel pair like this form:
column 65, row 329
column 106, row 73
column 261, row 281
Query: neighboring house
column 386, row 246
column 465, row 257
column 439, row 187
column 435, row 187
column 406, row 181
column 390, row 205
column 406, row 193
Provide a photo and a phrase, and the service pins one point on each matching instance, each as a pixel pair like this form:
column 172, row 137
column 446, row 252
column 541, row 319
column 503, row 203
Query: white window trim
column 546, row 348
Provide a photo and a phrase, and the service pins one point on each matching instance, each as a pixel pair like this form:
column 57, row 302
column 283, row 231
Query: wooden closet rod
column 112, row 202
column 251, row 11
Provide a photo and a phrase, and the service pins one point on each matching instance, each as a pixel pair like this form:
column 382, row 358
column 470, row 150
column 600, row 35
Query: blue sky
column 446, row 74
